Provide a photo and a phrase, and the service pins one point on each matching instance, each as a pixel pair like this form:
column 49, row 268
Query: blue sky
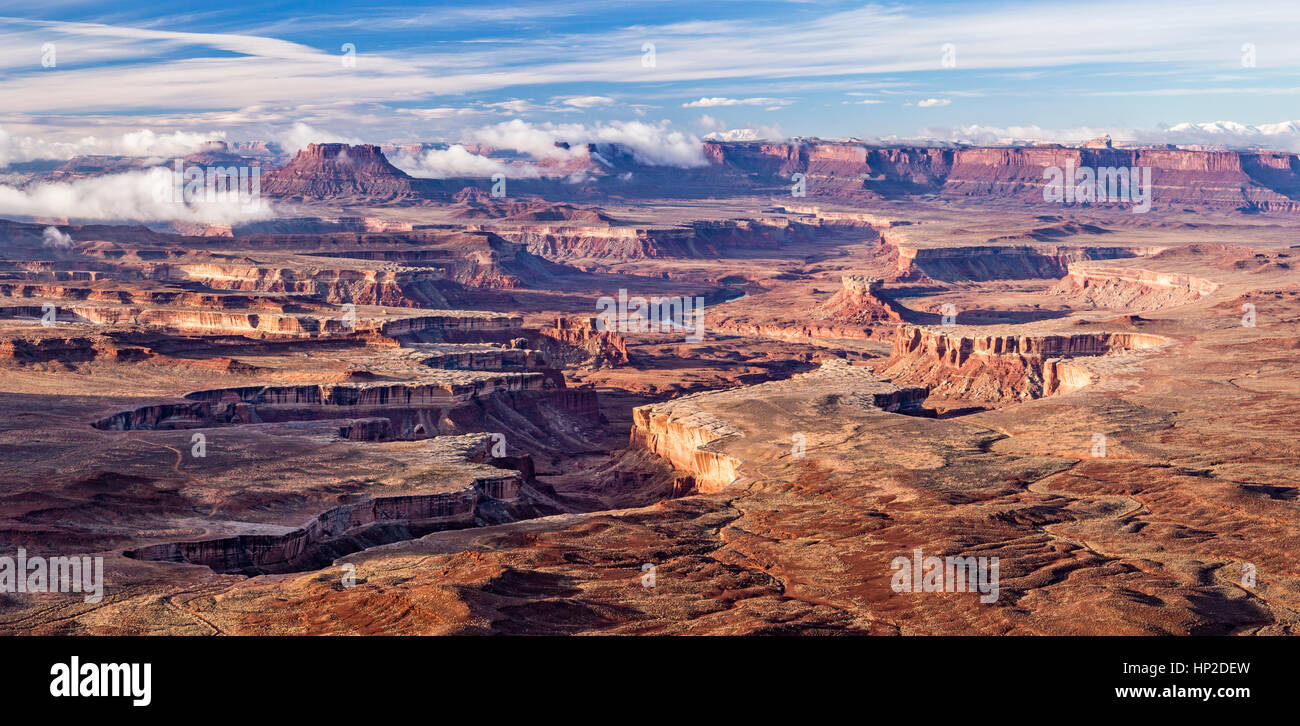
column 462, row 71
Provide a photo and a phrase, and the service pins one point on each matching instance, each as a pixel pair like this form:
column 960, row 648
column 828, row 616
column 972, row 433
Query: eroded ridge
column 996, row 368
column 691, row 432
column 458, row 491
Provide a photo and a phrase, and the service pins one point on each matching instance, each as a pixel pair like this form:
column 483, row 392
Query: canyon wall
column 580, row 341
column 1001, row 368
column 1254, row 181
column 999, row 262
column 706, row 238
column 1130, row 288
column 682, row 439
column 340, row 531
column 688, row 431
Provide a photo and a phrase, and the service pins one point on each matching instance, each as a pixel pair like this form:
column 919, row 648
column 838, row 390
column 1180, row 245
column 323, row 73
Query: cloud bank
column 128, row 197
column 145, row 143
column 457, row 162
column 654, row 144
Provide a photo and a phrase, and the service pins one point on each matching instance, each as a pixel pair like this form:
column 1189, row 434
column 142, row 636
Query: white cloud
column 441, row 112
column 132, row 196
column 516, row 106
column 56, row 240
column 144, row 143
column 650, row 143
column 301, row 134
column 708, row 123
column 931, row 102
column 978, row 135
column 247, row 70
column 588, row 101
column 723, row 101
column 1283, row 135
column 733, row 135
column 457, row 162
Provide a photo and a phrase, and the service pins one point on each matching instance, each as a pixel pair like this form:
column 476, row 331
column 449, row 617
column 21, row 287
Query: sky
column 97, row 77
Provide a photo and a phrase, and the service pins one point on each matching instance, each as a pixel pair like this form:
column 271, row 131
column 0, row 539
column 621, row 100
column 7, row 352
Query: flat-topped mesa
column 688, row 431
column 1227, row 180
column 454, row 499
column 833, row 217
column 108, row 293
column 572, row 241
column 705, row 238
column 999, row 368
column 1001, row 262
column 414, row 409
column 455, row 323
column 398, row 287
column 331, row 171
column 1130, row 288
column 955, row 349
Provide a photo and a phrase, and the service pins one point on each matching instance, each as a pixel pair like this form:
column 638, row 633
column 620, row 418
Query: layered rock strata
column 352, row 527
column 691, row 431
column 1000, row 368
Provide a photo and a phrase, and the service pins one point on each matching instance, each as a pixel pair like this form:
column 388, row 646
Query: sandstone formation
column 340, row 171
column 688, row 430
column 861, row 301
column 1252, row 181
column 995, row 368
column 391, row 411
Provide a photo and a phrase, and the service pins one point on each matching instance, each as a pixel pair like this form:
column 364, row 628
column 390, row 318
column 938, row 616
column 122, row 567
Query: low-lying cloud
column 145, row 144
column 129, row 197
column 457, row 162
column 56, row 240
column 654, row 144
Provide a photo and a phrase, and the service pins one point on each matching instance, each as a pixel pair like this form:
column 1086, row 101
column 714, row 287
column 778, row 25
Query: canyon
column 393, row 409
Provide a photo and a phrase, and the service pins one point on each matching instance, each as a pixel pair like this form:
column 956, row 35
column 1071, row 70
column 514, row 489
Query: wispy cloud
column 723, row 101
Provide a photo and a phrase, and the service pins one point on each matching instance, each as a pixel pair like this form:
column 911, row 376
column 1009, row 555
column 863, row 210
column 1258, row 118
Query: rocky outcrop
column 338, row 172
column 699, row 239
column 345, row 529
column 1130, row 288
column 689, row 431
column 1000, row 368
column 409, row 404
column 402, row 287
column 861, row 301
column 682, row 434
column 263, row 325
column 69, row 350
column 579, row 341
column 1000, row 262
